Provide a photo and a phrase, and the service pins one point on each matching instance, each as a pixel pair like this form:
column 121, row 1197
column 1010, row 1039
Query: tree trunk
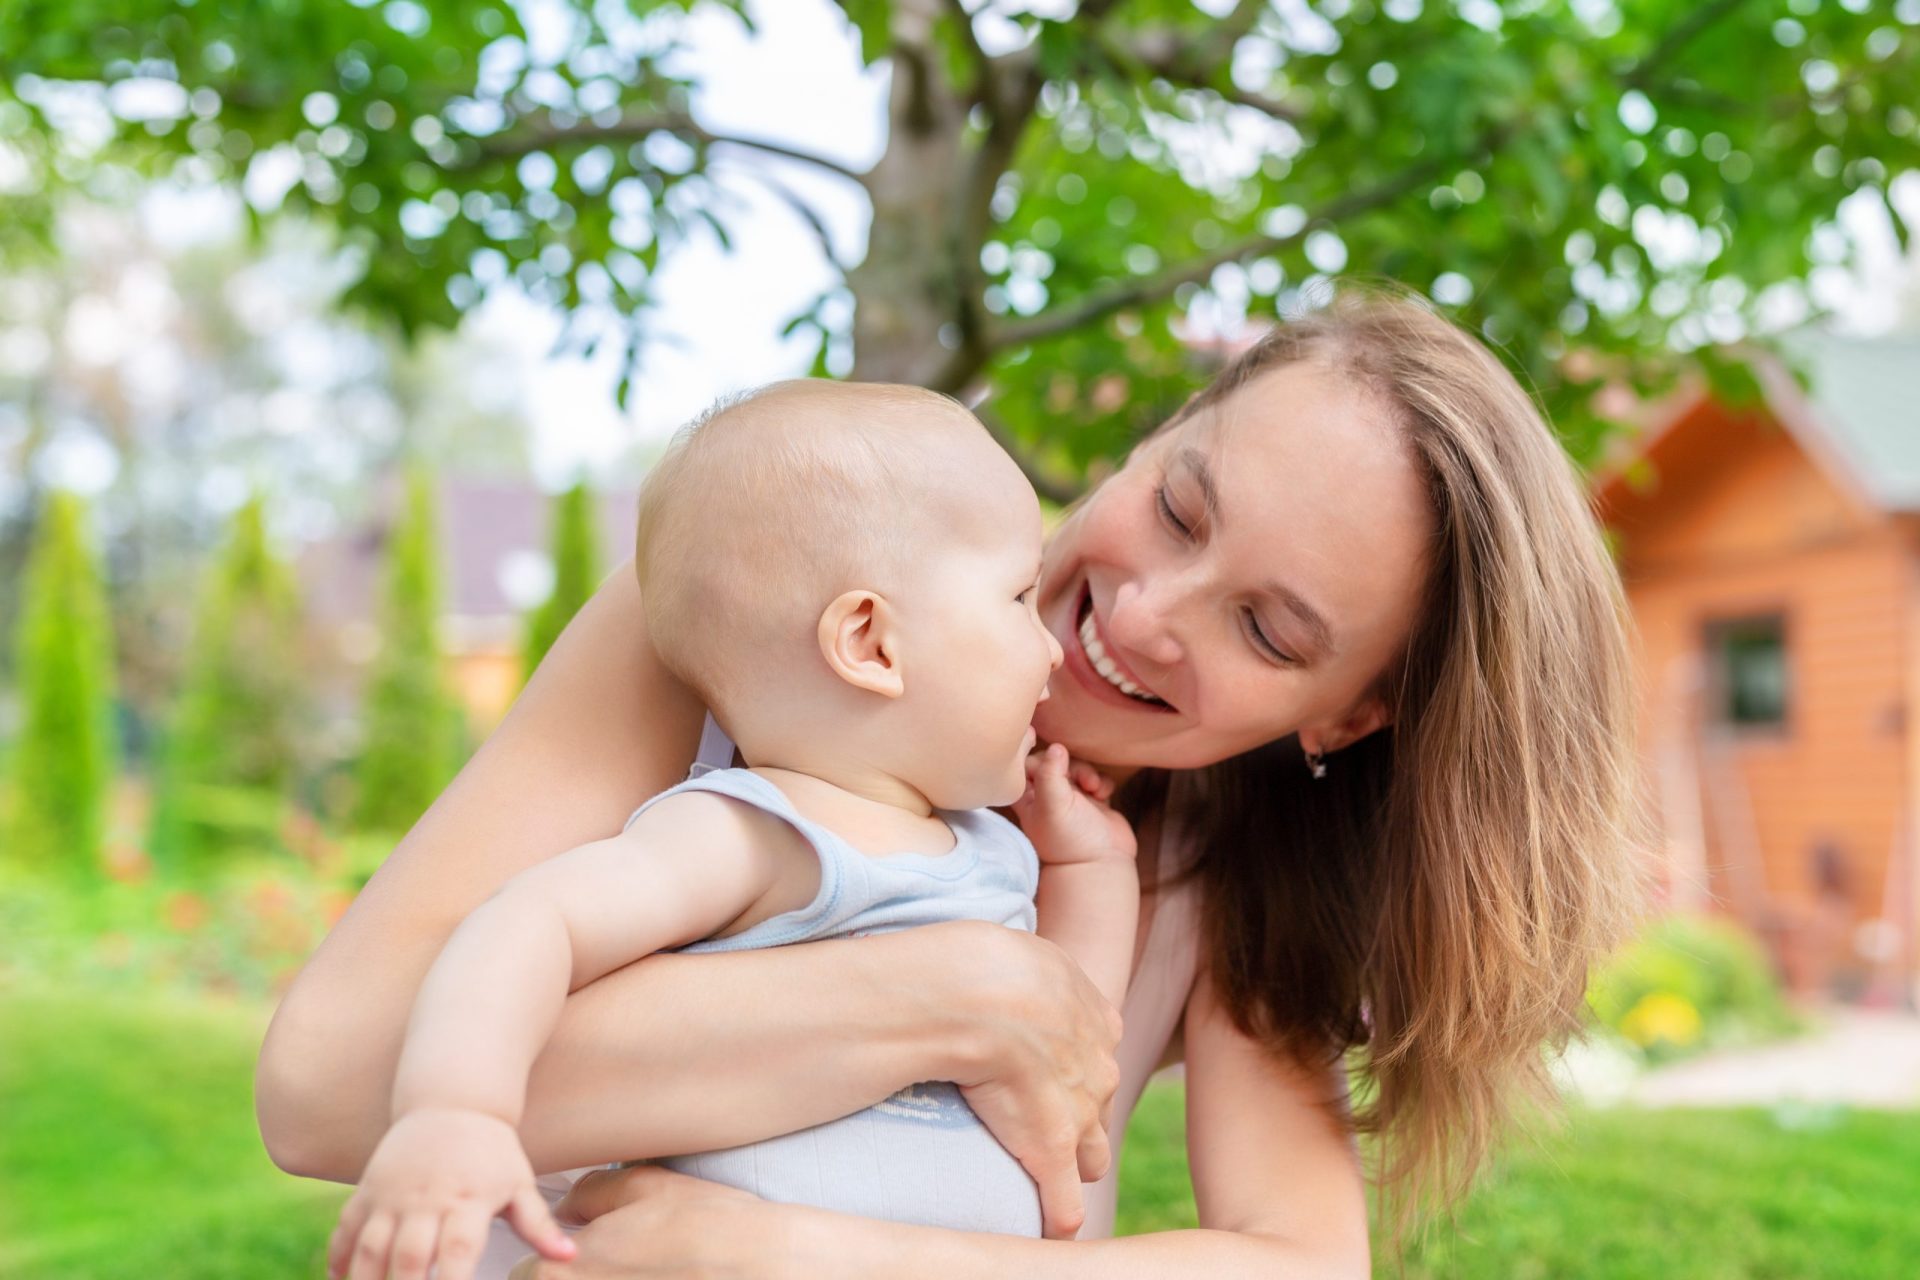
column 908, row 291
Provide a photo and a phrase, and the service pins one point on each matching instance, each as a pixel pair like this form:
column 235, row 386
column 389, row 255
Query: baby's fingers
column 463, row 1237
column 1091, row 780
column 340, row 1243
column 1047, row 771
column 528, row 1214
column 369, row 1259
column 413, row 1245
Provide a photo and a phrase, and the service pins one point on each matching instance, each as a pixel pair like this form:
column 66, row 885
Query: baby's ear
column 858, row 640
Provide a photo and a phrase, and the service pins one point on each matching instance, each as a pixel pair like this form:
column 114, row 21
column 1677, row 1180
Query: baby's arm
column 1089, row 898
column 692, row 866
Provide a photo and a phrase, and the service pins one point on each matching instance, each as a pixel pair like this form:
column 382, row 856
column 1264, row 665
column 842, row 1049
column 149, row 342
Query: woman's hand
column 1043, row 1074
column 651, row 1222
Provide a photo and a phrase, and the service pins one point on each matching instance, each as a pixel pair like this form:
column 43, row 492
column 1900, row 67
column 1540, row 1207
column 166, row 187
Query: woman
column 1347, row 636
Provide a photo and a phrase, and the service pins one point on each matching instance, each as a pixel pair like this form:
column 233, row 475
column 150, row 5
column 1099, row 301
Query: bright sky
column 798, row 81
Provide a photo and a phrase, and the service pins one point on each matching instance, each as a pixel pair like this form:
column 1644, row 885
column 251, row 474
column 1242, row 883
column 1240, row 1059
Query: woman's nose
column 1138, row 623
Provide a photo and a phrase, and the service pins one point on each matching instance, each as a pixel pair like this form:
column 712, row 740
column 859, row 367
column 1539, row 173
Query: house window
column 1749, row 658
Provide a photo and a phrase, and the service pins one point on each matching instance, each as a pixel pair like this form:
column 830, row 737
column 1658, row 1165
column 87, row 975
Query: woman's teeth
column 1108, row 669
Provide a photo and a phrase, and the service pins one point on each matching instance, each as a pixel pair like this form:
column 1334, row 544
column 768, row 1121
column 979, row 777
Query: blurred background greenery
column 335, row 337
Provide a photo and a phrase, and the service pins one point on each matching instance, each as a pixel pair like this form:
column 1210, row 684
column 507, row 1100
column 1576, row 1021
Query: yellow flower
column 1662, row 1016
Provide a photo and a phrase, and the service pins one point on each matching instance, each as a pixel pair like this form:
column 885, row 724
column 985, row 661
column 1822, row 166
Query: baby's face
column 979, row 656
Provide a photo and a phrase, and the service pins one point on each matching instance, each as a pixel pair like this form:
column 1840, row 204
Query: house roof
column 1864, row 399
column 487, row 531
column 1857, row 415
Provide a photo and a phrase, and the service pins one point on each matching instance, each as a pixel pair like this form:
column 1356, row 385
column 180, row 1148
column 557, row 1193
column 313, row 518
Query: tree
column 63, row 761
column 1057, row 193
column 231, row 748
column 411, row 725
column 576, row 572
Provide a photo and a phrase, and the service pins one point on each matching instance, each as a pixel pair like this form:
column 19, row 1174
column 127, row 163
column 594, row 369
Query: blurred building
column 493, row 544
column 1772, row 559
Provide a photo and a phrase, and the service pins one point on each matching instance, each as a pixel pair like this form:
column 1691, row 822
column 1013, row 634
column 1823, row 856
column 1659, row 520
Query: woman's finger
column 1095, row 1154
column 527, row 1213
column 1061, row 1208
column 413, row 1246
column 369, row 1260
column 603, row 1191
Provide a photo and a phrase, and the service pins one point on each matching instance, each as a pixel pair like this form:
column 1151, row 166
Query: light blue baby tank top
column 921, row 1156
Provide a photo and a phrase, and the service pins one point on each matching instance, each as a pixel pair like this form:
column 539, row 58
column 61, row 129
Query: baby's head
column 844, row 573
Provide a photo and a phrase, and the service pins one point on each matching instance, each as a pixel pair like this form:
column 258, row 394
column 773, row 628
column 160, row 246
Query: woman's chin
column 1050, row 726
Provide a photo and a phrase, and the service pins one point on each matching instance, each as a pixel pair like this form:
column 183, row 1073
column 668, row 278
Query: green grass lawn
column 128, row 1152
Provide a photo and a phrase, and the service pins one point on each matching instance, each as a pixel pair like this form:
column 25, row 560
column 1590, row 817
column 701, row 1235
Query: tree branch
column 543, row 135
column 1095, row 10
column 1105, row 302
column 983, row 69
column 805, row 212
column 1683, row 33
column 1199, row 64
column 1055, row 488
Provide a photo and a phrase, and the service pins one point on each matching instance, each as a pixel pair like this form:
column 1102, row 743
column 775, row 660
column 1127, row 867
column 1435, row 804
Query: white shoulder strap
column 716, row 749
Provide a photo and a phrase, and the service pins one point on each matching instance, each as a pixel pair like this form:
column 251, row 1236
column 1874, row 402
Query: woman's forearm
column 694, row 1053
column 691, row 1053
column 858, row 1248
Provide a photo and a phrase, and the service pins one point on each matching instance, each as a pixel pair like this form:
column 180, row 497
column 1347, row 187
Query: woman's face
column 1248, row 574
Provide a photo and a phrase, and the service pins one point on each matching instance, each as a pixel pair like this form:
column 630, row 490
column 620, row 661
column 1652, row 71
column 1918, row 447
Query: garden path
column 1859, row 1057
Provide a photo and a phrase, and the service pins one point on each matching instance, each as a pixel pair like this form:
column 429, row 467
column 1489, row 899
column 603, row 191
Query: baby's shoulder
column 711, row 813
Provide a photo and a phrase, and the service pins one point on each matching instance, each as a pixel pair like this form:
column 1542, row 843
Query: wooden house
column 1771, row 555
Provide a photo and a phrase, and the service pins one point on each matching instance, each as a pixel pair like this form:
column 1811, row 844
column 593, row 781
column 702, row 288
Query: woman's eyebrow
column 1317, row 629
column 1292, row 601
column 1196, row 463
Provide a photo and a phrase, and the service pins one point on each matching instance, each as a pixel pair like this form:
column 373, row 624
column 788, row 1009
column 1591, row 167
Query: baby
column 846, row 574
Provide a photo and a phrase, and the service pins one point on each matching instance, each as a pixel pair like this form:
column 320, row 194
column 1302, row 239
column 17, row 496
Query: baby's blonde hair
column 770, row 504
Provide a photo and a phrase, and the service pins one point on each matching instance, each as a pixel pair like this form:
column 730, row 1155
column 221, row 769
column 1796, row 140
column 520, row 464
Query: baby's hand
column 433, row 1184
column 1065, row 811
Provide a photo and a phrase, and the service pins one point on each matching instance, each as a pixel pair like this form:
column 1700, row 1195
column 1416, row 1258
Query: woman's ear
column 1370, row 716
column 858, row 640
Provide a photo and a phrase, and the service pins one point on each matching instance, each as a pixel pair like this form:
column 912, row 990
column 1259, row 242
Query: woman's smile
column 1093, row 662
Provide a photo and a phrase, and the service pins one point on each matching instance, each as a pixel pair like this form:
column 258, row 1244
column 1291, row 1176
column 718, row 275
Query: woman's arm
column 1275, row 1178
column 675, row 1053
column 1276, row 1182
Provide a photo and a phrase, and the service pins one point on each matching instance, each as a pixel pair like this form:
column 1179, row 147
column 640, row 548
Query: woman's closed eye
column 1168, row 514
column 1258, row 638
column 1250, row 621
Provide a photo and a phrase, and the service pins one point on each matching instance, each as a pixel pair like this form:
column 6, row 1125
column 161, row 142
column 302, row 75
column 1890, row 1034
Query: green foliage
column 61, row 768
column 411, row 723
column 1589, row 186
column 231, row 747
column 244, row 933
column 1688, row 983
column 575, row 547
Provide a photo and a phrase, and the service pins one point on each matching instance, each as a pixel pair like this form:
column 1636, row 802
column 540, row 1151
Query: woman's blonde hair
column 1435, row 902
